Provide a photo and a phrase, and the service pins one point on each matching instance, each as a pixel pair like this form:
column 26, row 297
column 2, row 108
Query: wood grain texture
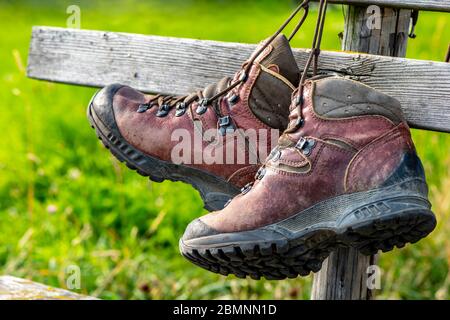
column 344, row 274
column 12, row 288
column 390, row 38
column 426, row 5
column 178, row 66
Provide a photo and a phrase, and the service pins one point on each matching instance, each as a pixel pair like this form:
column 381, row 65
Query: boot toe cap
column 102, row 104
column 198, row 229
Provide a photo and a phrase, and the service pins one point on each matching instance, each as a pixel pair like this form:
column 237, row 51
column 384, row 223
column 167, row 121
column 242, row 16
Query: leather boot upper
column 261, row 103
column 353, row 139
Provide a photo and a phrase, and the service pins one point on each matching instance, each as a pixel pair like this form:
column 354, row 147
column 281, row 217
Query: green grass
column 64, row 200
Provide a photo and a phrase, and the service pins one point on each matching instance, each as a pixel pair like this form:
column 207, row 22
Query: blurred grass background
column 65, row 201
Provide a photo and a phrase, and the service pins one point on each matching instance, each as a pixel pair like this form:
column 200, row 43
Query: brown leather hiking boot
column 144, row 131
column 345, row 172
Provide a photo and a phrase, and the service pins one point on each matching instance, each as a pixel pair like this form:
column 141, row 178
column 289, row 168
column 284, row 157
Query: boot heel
column 392, row 221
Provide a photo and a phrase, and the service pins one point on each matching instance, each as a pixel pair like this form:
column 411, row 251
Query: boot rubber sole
column 379, row 219
column 214, row 190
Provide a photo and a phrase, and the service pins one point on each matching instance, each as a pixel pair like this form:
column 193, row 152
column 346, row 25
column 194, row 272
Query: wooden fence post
column 380, row 31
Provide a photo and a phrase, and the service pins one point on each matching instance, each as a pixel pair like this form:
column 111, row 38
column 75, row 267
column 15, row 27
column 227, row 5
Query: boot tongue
column 282, row 57
column 271, row 94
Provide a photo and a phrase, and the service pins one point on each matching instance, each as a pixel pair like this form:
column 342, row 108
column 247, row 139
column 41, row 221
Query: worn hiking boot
column 344, row 173
column 165, row 137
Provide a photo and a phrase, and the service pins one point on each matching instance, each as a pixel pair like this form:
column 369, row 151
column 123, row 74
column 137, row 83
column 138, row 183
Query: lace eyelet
column 246, row 189
column 180, row 109
column 225, row 125
column 301, row 144
column 261, row 173
column 143, row 108
column 233, row 99
column 163, row 111
column 305, row 145
column 274, row 155
column 299, row 123
column 202, row 106
column 243, row 76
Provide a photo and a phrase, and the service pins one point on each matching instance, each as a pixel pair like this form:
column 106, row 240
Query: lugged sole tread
column 305, row 255
column 158, row 173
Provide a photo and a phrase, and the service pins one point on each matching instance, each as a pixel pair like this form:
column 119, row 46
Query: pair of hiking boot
column 344, row 171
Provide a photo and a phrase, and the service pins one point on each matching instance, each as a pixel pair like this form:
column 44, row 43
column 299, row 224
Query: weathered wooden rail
column 177, row 66
column 424, row 5
column 12, row 288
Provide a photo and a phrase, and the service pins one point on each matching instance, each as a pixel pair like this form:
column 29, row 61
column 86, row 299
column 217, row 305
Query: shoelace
column 304, row 145
column 166, row 102
column 312, row 59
